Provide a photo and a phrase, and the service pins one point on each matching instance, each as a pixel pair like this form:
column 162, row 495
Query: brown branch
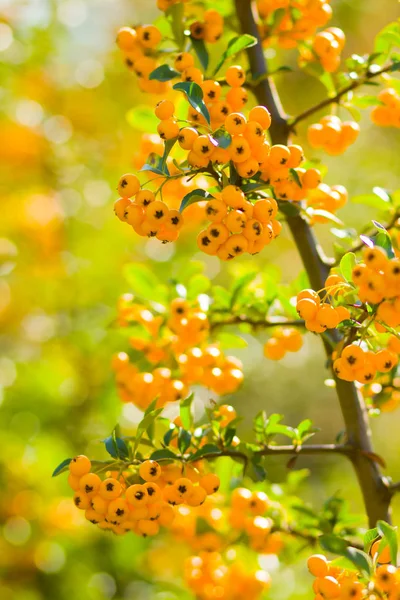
column 310, row 449
column 262, row 323
column 361, row 245
column 374, row 488
column 335, row 99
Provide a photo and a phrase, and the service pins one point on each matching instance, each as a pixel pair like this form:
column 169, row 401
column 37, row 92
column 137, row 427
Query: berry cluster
column 209, row 576
column 318, row 314
column 210, row 29
column 378, row 281
column 284, row 339
column 327, row 198
column 327, row 46
column 148, row 216
column 332, row 581
column 141, row 500
column 178, row 344
column 247, row 515
column 333, row 135
column 383, row 394
column 299, row 22
column 387, row 114
column 356, row 363
column 138, row 46
column 238, row 226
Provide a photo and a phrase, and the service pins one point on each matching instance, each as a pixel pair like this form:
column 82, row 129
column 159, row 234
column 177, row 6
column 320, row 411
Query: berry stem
column 374, row 487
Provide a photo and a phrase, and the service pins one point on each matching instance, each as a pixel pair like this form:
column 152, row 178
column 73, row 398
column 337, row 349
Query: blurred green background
column 64, row 141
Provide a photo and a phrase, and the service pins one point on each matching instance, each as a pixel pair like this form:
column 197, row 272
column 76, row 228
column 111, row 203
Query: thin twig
column 361, row 244
column 335, row 99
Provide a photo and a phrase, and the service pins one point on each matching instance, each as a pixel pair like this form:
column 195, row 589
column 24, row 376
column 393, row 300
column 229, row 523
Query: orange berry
column 150, row 470
column 210, row 483
column 128, row 185
column 80, row 465
column 126, row 39
column 261, row 115
column 164, row 110
column 235, row 76
column 318, row 565
column 149, row 36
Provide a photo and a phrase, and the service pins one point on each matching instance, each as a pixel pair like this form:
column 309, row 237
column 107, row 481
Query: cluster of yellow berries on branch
column 325, row 48
column 318, row 314
column 333, row 135
column 298, row 20
column 370, row 302
column 116, row 504
column 143, row 46
column 177, row 344
column 387, row 113
column 285, row 339
column 242, row 220
column 378, row 281
column 148, row 217
column 325, row 198
column 209, row 576
column 333, row 581
column 357, row 364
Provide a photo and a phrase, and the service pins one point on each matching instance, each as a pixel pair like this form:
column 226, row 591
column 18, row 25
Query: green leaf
column 164, row 73
column 175, row 15
column 193, row 197
column 278, row 429
column 206, row 449
column 142, row 118
column 388, row 37
column 116, row 446
column 194, row 95
column 231, row 340
column 221, row 296
column 185, row 412
column 198, row 284
column 394, row 67
column 163, row 455
column 360, row 559
column 365, row 101
column 184, row 439
column 295, row 176
column 347, row 264
column 258, row 472
column 62, row 467
column 389, row 533
column 383, row 240
column 370, row 536
column 372, row 200
column 144, row 283
column 155, row 164
column 168, row 145
column 223, row 138
column 144, row 424
column 236, row 45
column 201, row 52
column 333, row 543
column 240, row 283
